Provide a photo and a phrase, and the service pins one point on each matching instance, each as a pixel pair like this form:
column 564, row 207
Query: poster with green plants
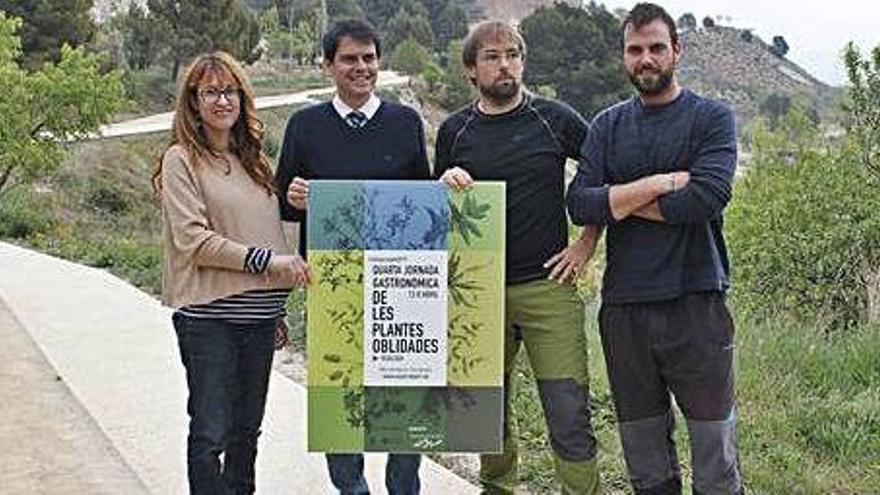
column 405, row 317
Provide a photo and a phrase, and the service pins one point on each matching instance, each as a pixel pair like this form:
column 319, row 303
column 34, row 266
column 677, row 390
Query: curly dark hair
column 645, row 13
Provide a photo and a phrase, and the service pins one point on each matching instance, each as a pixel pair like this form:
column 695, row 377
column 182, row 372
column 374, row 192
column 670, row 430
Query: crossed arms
column 695, row 195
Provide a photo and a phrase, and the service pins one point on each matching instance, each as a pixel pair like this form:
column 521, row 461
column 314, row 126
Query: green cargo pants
column 549, row 319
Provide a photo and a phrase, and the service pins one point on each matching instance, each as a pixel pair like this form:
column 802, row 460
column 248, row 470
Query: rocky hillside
column 741, row 69
column 723, row 62
column 508, row 10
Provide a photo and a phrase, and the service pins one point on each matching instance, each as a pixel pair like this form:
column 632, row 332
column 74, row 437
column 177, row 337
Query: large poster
column 405, row 317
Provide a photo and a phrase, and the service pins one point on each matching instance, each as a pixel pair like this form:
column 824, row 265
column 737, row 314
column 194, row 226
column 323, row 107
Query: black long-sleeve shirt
column 527, row 149
column 647, row 260
column 319, row 144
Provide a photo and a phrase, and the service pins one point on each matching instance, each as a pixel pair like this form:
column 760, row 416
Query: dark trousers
column 227, row 373
column 681, row 348
column 401, row 474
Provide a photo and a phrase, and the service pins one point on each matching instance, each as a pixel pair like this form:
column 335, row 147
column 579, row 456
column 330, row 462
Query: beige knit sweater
column 211, row 214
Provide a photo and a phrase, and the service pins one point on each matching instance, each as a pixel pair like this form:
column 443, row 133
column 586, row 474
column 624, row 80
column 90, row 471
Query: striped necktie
column 356, row 119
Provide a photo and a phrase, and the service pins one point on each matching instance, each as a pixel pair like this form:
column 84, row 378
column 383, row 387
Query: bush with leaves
column 687, row 22
column 410, row 57
column 804, row 228
column 779, row 46
column 449, row 86
column 191, row 28
column 141, row 37
column 48, row 25
column 576, row 52
column 42, row 110
column 864, row 104
column 409, row 24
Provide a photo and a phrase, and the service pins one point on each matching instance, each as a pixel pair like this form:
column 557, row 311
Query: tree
column 433, row 23
column 379, row 12
column 448, row 21
column 456, row 89
column 141, row 39
column 43, row 109
column 576, row 51
column 48, row 25
column 303, row 43
column 779, row 47
column 410, row 57
column 708, row 22
column 864, row 104
column 195, row 27
column 409, row 24
column 277, row 38
column 243, row 33
column 774, row 107
column 812, row 265
column 687, row 22
column 338, row 10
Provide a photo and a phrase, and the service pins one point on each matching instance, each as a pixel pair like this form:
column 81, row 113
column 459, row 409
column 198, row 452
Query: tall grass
column 809, row 409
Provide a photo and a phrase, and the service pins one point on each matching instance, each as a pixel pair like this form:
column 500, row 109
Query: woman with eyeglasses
column 227, row 268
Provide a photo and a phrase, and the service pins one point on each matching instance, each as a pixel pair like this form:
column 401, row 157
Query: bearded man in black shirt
column 524, row 140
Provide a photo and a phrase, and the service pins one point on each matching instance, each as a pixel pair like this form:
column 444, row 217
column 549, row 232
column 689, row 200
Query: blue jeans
column 401, row 474
column 227, row 373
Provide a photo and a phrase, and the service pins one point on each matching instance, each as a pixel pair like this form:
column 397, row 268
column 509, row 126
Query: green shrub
column 451, row 89
column 107, row 198
column 863, row 104
column 804, row 227
column 410, row 57
column 137, row 259
column 148, row 91
column 23, row 214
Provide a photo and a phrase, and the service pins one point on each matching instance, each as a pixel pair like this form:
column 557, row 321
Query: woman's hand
column 291, row 269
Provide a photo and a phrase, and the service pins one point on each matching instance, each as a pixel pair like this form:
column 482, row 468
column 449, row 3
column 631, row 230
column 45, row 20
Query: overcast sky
column 816, row 30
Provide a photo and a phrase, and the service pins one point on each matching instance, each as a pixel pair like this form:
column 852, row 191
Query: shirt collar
column 369, row 108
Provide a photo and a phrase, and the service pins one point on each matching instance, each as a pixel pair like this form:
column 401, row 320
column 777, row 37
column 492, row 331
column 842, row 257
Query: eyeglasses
column 212, row 95
column 495, row 58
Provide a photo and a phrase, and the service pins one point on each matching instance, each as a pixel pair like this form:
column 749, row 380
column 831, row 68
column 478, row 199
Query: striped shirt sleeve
column 257, row 259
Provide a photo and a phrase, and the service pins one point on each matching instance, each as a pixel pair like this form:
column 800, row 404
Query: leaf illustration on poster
column 463, row 286
column 467, row 217
column 342, row 270
column 464, row 355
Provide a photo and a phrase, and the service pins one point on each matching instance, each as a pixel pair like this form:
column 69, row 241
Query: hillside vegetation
column 803, row 229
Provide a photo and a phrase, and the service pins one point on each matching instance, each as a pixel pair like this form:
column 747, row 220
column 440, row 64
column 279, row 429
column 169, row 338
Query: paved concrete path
column 114, row 421
column 50, row 444
column 162, row 122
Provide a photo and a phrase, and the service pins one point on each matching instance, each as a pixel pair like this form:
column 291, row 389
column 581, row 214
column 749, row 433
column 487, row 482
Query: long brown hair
column 246, row 136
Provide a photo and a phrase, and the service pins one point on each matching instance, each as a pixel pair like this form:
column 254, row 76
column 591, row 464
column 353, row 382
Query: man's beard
column 654, row 84
column 501, row 93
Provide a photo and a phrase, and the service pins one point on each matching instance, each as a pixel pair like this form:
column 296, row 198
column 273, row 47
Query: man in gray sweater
column 656, row 171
